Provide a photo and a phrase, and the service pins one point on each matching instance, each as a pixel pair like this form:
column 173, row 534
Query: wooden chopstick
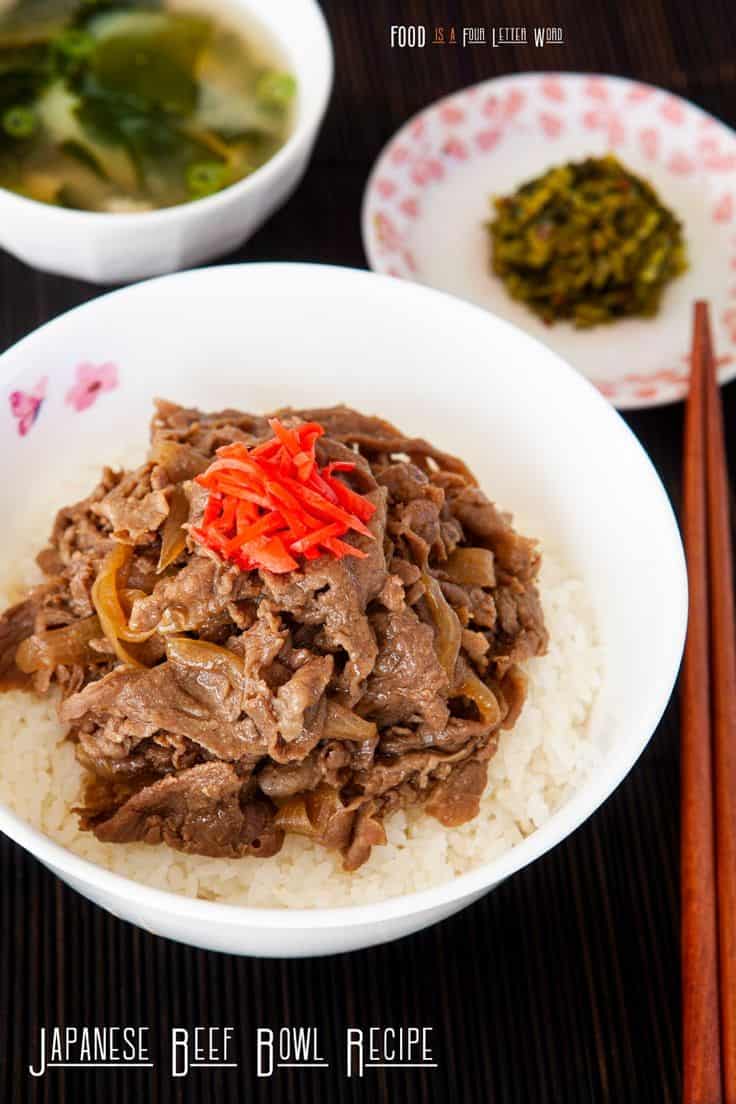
column 701, row 1036
column 723, row 711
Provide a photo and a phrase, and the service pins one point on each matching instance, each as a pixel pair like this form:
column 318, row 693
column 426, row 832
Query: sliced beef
column 80, row 577
column 152, row 757
column 520, row 632
column 375, row 436
column 513, row 688
column 416, row 525
column 367, row 832
column 296, row 701
column 406, row 482
column 199, row 810
column 329, row 763
column 473, row 605
column 191, row 598
column 390, row 773
column 16, row 625
column 334, row 595
column 407, row 683
column 180, row 461
column 136, row 507
column 408, row 572
column 456, row 799
column 458, row 732
column 202, row 704
column 204, row 432
column 285, row 780
column 78, row 530
column 516, row 555
column 392, row 595
column 476, row 646
column 242, row 708
column 235, row 706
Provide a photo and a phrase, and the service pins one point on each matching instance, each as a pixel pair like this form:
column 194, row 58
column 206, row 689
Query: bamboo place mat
column 562, row 986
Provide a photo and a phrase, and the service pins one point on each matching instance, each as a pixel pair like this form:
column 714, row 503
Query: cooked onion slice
column 471, row 567
column 174, row 537
column 59, row 647
column 203, row 654
column 475, row 690
column 342, row 724
column 449, row 629
column 293, row 817
column 106, row 600
column 318, row 814
column 181, row 461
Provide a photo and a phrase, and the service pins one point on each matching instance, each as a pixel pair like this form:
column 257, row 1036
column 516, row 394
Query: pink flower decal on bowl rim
column 92, row 381
column 26, row 405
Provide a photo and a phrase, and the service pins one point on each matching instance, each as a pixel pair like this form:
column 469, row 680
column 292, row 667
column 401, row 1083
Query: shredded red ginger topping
column 272, row 505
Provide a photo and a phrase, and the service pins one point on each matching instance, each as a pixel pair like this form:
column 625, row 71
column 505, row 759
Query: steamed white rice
column 538, row 765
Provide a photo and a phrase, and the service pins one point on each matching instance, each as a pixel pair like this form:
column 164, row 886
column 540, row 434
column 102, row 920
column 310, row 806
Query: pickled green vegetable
column 589, row 242
column 117, row 105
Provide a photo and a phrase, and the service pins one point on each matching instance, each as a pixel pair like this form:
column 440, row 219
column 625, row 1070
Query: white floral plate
column 428, row 196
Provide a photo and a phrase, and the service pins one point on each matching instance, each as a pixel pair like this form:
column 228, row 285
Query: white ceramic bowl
column 114, row 248
column 542, row 440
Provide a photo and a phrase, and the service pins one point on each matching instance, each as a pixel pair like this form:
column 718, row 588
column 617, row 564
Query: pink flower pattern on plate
column 649, row 142
column 552, row 88
column 26, row 405
column 723, row 210
column 551, row 124
column 92, row 381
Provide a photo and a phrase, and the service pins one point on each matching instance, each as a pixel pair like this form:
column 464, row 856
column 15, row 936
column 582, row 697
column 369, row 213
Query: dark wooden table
column 562, row 986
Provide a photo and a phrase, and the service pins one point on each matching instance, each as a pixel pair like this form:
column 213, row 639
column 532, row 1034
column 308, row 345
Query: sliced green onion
column 206, row 177
column 275, row 89
column 20, row 121
column 75, row 44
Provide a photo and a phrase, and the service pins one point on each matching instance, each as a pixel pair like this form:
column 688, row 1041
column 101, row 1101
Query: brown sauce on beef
column 331, row 696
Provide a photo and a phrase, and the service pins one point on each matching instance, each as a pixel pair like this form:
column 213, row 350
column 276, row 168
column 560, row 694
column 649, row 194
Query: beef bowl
column 316, row 610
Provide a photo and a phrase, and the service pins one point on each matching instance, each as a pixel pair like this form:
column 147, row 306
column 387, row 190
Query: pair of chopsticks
column 708, row 746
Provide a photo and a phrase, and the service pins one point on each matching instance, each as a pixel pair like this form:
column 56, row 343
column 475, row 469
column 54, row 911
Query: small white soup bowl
column 115, row 248
column 541, row 439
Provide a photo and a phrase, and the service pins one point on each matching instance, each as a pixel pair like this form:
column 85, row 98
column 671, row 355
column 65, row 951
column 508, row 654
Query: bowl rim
column 306, row 124
column 570, row 816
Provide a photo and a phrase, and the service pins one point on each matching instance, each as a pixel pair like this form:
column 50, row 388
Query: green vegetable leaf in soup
column 157, row 66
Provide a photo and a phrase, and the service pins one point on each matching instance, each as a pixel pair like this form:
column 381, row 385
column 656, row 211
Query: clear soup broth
column 115, row 106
